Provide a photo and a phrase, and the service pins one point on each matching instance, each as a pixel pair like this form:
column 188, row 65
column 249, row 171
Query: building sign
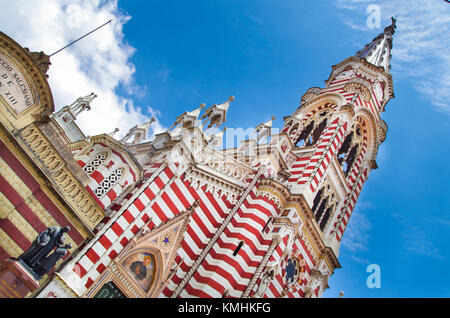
column 13, row 86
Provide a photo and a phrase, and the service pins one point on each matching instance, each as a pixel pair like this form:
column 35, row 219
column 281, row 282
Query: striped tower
column 264, row 219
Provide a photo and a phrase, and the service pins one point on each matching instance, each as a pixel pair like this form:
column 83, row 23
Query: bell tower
column 264, row 219
column 336, row 132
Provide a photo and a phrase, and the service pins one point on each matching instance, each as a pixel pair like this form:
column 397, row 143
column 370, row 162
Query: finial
column 82, row 103
column 139, row 132
column 394, row 22
column 390, row 29
column 216, row 114
column 193, row 206
column 113, row 132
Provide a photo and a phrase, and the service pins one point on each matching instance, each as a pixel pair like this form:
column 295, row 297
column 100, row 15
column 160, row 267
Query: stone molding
column 82, row 203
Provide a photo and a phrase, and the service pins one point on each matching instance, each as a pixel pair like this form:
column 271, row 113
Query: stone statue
column 50, row 261
column 34, row 257
column 269, row 274
column 82, row 103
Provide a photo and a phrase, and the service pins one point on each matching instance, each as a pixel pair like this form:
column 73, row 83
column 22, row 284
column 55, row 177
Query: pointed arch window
column 350, row 148
column 323, row 206
column 314, row 129
column 109, row 182
column 98, row 160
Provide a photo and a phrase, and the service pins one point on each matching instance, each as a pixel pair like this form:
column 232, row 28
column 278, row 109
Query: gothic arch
column 324, row 205
column 314, row 123
column 357, row 145
column 370, row 125
column 88, row 157
column 322, row 99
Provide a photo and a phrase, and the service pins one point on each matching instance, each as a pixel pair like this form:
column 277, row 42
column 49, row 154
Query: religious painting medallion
column 141, row 267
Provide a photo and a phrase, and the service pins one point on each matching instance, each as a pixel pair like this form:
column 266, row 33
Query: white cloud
column 415, row 238
column 356, row 236
column 359, row 260
column 99, row 63
column 420, row 52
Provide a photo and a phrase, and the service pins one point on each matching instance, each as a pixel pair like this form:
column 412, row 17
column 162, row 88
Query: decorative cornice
column 274, row 190
column 367, row 71
column 310, row 94
column 77, row 197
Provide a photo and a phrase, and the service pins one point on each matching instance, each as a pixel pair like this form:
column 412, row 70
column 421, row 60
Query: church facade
column 179, row 216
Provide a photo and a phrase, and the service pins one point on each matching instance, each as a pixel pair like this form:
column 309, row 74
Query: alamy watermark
column 374, row 279
column 373, row 21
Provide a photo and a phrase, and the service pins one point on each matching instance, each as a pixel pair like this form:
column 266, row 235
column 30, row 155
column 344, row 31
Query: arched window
column 326, row 216
column 98, row 160
column 350, row 148
column 314, row 129
column 323, row 206
column 109, row 182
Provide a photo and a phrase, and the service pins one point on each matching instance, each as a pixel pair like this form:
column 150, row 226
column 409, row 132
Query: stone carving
column 263, row 130
column 82, row 103
column 72, row 190
column 358, row 86
column 269, row 274
column 216, row 114
column 42, row 60
column 139, row 132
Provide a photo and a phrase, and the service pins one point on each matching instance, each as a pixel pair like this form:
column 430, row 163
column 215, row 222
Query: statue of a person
column 269, row 274
column 43, row 245
column 50, row 261
column 82, row 103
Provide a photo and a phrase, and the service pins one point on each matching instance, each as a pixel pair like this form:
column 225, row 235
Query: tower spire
column 378, row 52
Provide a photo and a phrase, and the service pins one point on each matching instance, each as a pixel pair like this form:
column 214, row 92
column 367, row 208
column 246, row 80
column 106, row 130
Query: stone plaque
column 13, row 86
column 15, row 280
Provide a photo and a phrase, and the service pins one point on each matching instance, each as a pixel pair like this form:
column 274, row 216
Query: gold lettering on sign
column 13, row 87
column 8, row 290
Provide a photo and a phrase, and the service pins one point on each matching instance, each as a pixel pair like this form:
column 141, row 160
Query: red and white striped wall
column 327, row 146
column 221, row 272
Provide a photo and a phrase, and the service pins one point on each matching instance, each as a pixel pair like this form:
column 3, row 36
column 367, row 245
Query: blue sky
column 267, row 54
column 164, row 57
